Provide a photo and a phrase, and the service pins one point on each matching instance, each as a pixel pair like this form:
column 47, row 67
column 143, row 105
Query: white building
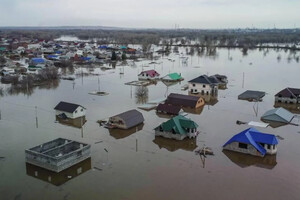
column 71, row 110
column 203, row 85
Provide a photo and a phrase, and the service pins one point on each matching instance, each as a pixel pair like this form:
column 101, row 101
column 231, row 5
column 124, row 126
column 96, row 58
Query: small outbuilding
column 172, row 77
column 126, row 120
column 251, row 95
column 177, row 128
column 69, row 110
column 280, row 115
column 251, row 141
column 185, row 100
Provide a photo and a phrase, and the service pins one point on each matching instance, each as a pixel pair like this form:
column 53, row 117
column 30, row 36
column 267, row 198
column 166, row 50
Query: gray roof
column 278, row 115
column 205, row 80
column 251, row 95
column 131, row 118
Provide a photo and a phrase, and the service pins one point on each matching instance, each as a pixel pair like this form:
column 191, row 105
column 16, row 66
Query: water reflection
column 209, row 99
column 196, row 111
column 141, row 94
column 294, row 108
column 120, row 134
column 61, row 177
column 174, row 145
column 244, row 160
column 76, row 123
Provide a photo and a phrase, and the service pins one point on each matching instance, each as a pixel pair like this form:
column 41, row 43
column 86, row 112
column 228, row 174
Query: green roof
column 179, row 124
column 175, row 76
column 2, row 48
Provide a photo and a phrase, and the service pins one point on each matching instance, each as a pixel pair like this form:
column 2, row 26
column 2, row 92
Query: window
column 269, row 146
column 195, row 90
column 81, row 110
column 262, row 144
column 192, row 90
column 243, row 146
column 160, row 129
column 204, row 86
column 194, row 85
column 173, row 131
column 207, row 93
column 274, row 146
column 202, row 92
column 75, row 111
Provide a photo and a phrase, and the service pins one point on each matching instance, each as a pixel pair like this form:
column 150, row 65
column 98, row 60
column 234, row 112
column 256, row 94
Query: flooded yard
column 134, row 164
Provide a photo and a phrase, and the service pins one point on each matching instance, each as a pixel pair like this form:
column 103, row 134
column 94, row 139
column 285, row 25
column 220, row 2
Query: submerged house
column 69, row 110
column 172, row 77
column 288, row 95
column 251, row 141
column 177, row 128
column 185, row 100
column 58, row 154
column 204, row 85
column 126, row 119
column 148, row 75
column 279, row 115
column 251, row 95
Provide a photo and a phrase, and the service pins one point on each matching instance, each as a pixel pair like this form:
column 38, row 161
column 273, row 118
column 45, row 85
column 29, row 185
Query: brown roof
column 288, row 92
column 169, row 109
column 182, row 100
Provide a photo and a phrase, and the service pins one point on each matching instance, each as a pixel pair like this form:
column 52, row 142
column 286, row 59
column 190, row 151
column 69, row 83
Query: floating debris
column 138, row 83
column 240, row 122
column 204, row 151
column 184, row 87
column 99, row 169
column 98, row 142
column 279, row 137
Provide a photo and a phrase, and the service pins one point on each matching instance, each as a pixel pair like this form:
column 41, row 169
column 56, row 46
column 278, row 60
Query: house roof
column 254, row 137
column 174, row 76
column 178, row 124
column 278, row 115
column 182, row 100
column 131, row 118
column 38, row 60
column 67, row 107
column 204, row 79
column 251, row 95
column 170, row 109
column 288, row 92
column 151, row 73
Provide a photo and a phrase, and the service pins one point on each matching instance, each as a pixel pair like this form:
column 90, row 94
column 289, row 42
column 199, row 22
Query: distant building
column 251, row 141
column 177, row 128
column 126, row 119
column 251, row 95
column 185, row 100
column 204, row 85
column 69, row 110
column 288, row 95
column 148, row 75
column 58, row 155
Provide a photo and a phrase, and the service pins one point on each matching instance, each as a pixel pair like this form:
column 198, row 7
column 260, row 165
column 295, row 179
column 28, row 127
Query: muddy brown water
column 157, row 168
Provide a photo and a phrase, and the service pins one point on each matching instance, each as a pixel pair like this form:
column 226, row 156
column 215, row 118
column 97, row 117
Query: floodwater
column 137, row 165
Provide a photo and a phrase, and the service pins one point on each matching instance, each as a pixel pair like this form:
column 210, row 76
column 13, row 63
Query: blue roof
column 38, row 60
column 102, row 47
column 58, row 52
column 52, row 56
column 254, row 137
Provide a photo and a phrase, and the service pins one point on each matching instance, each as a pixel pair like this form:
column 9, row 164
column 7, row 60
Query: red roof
column 151, row 73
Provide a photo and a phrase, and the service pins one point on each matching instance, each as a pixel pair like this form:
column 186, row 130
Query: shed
column 251, row 141
column 251, row 95
column 168, row 109
column 278, row 115
column 185, row 100
column 126, row 119
column 178, row 128
column 71, row 110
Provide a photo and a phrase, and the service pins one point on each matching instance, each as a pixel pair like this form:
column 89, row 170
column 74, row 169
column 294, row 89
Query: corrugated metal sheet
column 278, row 115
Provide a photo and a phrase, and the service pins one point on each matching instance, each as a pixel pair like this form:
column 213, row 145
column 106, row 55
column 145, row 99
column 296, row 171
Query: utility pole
column 36, row 118
column 243, row 79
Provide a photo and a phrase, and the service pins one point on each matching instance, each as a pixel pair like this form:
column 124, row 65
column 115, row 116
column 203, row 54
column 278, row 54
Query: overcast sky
column 152, row 13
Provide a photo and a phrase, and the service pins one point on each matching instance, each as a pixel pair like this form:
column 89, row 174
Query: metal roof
column 254, row 137
column 278, row 115
column 288, row 92
column 67, row 107
column 205, row 80
column 182, row 100
column 251, row 95
column 131, row 118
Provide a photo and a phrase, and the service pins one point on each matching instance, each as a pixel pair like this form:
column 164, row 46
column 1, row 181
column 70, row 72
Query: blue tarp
column 86, row 58
column 38, row 60
column 254, row 137
column 58, row 52
column 52, row 56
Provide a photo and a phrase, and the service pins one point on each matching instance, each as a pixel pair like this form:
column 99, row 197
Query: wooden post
column 243, row 80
